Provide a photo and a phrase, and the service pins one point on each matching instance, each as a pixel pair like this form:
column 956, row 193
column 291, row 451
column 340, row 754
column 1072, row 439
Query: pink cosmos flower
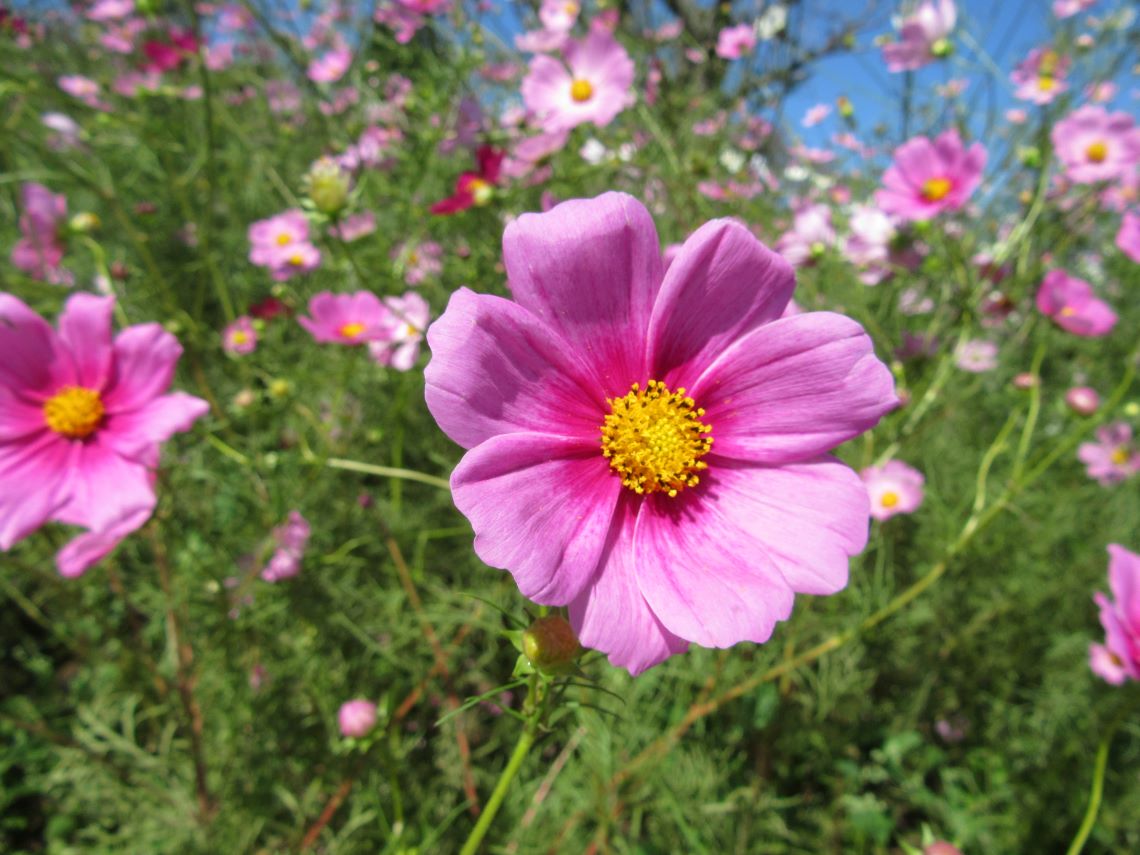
column 928, row 178
column 559, row 16
column 109, row 10
column 1069, row 301
column 474, row 189
column 1082, row 400
column 595, row 86
column 419, row 261
column 347, row 318
column 39, row 253
column 1118, row 659
column 976, row 356
column 1041, row 76
column 409, row 316
column 292, row 538
column 356, row 718
column 735, row 42
column 82, row 416
column 922, row 37
column 815, row 115
column 281, row 243
column 1096, row 145
column 330, row 66
column 1112, row 458
column 354, row 226
column 869, row 244
column 894, row 488
column 1128, row 238
column 1067, row 8
column 240, row 337
column 811, row 236
column 649, row 447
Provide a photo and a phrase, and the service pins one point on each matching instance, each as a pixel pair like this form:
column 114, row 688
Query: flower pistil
column 74, row 412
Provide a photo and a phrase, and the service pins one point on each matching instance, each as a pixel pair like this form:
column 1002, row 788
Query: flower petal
column 91, row 547
column 33, row 476
column 794, row 389
column 611, row 615
column 495, row 368
column 106, row 489
column 132, row 434
column 145, row 356
column 541, row 507
column 719, row 564
column 85, row 332
column 31, row 366
column 722, row 284
column 591, row 269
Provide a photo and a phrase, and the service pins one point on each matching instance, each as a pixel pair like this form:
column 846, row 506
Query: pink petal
column 105, row 488
column 90, row 547
column 591, row 269
column 495, row 368
column 1124, row 579
column 541, row 507
column 793, row 389
column 31, row 365
column 719, row 564
column 611, row 615
column 722, row 284
column 145, row 356
column 85, row 331
column 133, row 433
column 33, row 478
column 18, row 418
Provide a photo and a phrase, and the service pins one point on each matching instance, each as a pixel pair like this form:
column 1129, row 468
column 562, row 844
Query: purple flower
column 1070, row 303
column 894, row 488
column 1118, row 659
column 1112, row 458
column 356, row 718
column 649, row 447
column 292, row 538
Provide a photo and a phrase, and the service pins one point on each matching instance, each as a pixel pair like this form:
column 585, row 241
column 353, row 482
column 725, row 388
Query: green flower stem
column 387, row 472
column 1097, row 789
column 527, row 739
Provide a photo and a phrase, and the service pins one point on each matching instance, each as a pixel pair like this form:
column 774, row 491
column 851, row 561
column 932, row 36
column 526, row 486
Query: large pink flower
column 81, row 420
column 649, row 447
column 1118, row 659
column 928, row 178
column 356, row 318
column 1096, row 145
column 1073, row 305
column 595, row 87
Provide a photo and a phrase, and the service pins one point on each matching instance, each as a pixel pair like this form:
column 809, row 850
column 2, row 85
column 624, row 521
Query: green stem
column 387, row 472
column 526, row 740
column 1096, row 792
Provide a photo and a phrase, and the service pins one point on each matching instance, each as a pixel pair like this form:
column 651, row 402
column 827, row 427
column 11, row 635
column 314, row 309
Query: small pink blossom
column 922, row 36
column 894, row 488
column 928, row 178
column 559, row 16
column 735, row 42
column 292, row 538
column 419, row 261
column 281, row 244
column 330, row 66
column 1040, row 77
column 354, row 227
column 1118, row 659
column 976, row 356
column 1113, row 457
column 816, row 114
column 594, row 85
column 408, row 317
column 811, row 236
column 1128, row 237
column 1082, row 400
column 1095, row 145
column 240, row 337
column 1071, row 304
column 1068, row 8
column 349, row 319
column 356, row 718
column 869, row 244
column 39, row 253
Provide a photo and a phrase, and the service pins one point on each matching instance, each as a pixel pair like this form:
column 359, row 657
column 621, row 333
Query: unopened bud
column 941, row 847
column 1082, row 400
column 1029, row 155
column 84, row 222
column 942, row 48
column 1026, row 380
column 549, row 644
column 328, row 184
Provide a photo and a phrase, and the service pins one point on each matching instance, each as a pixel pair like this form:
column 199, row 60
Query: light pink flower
column 330, row 66
column 347, row 318
column 1071, row 303
column 976, row 356
column 559, row 16
column 815, row 115
column 894, row 488
column 354, row 227
column 1095, row 145
column 1041, row 76
column 1068, row 8
column 587, row 406
column 1128, row 238
column 735, row 42
column 240, row 337
column 82, row 417
column 1118, row 659
column 811, row 236
column 1082, row 400
column 869, row 244
column 292, row 538
column 594, row 85
column 77, row 86
column 419, row 261
column 356, row 718
column 922, row 37
column 39, row 253
column 928, row 178
column 109, row 10
column 281, row 243
column 409, row 316
column 1113, row 457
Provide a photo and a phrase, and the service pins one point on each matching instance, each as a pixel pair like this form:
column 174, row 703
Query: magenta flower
column 281, row 243
column 39, row 253
column 240, row 337
column 1070, row 303
column 1083, row 400
column 1041, row 76
column 408, row 318
column 1128, row 238
column 735, row 42
column 292, row 537
column 331, row 65
column 594, row 85
column 922, row 36
column 559, row 16
column 1113, row 457
column 649, row 447
column 347, row 318
column 1118, row 659
column 1095, row 145
column 928, row 178
column 356, row 718
column 894, row 488
column 81, row 420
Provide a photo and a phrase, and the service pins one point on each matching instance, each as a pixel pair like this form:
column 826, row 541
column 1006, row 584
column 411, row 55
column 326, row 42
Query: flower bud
column 1026, row 380
column 1029, row 155
column 845, row 107
column 550, row 644
column 84, row 222
column 328, row 185
column 941, row 847
column 942, row 48
column 356, row 718
column 1082, row 400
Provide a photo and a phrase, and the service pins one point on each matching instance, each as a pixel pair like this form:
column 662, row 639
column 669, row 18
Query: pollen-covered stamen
column 936, row 189
column 654, row 439
column 581, row 90
column 1097, row 151
column 74, row 412
column 1120, row 455
column 351, row 330
column 889, row 499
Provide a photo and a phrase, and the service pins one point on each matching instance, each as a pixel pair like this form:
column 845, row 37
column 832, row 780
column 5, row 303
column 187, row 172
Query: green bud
column 1029, row 155
column 84, row 222
column 550, row 645
column 942, row 48
column 328, row 185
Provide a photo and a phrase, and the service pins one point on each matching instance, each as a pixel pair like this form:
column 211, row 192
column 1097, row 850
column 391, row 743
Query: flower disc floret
column 936, row 189
column 74, row 412
column 581, row 90
column 654, row 439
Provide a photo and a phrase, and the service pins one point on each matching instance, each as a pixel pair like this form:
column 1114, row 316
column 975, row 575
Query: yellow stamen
column 1097, row 151
column 1067, row 312
column 581, row 90
column 1046, row 83
column 654, row 439
column 74, row 412
column 481, row 191
column 889, row 499
column 1120, row 455
column 283, row 239
column 239, row 337
column 935, row 189
column 351, row 330
column 296, row 259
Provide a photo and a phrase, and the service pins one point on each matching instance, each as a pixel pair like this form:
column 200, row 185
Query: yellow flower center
column 239, row 337
column 654, row 439
column 581, row 90
column 296, row 259
column 1067, row 312
column 935, row 189
column 570, row 8
column 1097, row 151
column 1120, row 455
column 283, row 239
column 1046, row 83
column 74, row 412
column 351, row 330
column 889, row 499
column 481, row 191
